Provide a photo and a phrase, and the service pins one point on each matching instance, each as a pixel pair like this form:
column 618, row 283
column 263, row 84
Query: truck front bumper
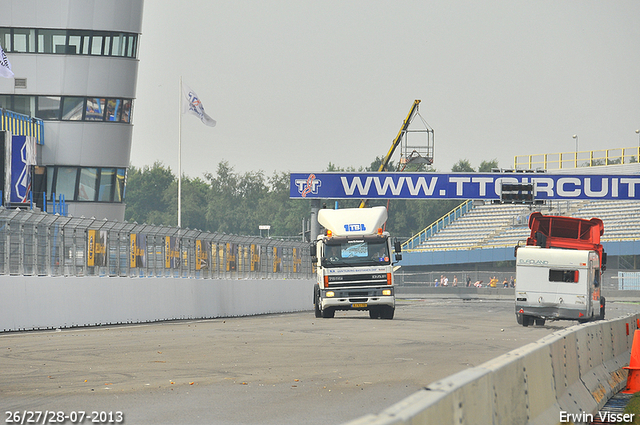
column 357, row 299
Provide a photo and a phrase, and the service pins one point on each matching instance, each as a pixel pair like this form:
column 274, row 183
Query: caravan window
column 563, row 276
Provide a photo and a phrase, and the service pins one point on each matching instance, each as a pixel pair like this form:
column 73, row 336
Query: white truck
column 353, row 263
column 558, row 273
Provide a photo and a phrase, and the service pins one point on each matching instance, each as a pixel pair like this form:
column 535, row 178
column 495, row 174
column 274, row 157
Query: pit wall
column 575, row 370
column 28, row 303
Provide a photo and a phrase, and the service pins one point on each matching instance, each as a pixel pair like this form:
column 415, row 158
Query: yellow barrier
column 561, row 160
column 22, row 125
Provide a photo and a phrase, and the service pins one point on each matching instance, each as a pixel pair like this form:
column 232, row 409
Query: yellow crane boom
column 396, row 141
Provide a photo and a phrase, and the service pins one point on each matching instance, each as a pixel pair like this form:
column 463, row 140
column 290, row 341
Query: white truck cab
column 353, row 263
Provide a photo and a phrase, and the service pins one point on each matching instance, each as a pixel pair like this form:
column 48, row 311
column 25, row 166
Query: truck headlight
column 329, row 294
column 386, row 292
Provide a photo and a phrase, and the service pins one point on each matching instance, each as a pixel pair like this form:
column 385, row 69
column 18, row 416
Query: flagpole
column 180, row 157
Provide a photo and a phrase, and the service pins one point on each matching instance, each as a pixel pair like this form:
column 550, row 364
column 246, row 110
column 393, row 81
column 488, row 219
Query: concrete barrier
column 61, row 302
column 573, row 371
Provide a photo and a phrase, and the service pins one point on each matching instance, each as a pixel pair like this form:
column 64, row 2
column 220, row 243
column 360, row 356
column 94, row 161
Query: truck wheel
column 316, row 303
column 387, row 312
column 374, row 312
column 328, row 313
column 602, row 304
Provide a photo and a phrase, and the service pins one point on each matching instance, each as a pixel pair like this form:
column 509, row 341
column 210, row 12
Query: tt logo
column 310, row 185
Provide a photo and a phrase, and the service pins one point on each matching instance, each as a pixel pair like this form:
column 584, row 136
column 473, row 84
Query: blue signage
column 460, row 186
column 20, row 170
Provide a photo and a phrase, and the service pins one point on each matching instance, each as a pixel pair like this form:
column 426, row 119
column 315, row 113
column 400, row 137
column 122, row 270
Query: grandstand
column 497, row 225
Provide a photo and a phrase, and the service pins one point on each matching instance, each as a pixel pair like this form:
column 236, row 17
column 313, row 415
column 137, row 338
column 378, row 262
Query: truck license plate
column 359, row 305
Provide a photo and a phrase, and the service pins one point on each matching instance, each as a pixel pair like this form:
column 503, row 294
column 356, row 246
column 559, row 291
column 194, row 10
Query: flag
column 194, row 106
column 5, row 66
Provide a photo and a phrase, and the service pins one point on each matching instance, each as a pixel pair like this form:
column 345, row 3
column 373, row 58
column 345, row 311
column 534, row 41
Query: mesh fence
column 39, row 244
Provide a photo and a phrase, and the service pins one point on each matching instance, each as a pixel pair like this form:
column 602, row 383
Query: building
column 75, row 64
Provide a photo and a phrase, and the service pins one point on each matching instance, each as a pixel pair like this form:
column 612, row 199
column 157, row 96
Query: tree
column 462, row 166
column 486, row 166
column 375, row 165
column 237, row 203
column 145, row 192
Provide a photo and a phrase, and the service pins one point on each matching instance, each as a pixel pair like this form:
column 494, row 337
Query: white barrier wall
column 28, row 302
column 575, row 370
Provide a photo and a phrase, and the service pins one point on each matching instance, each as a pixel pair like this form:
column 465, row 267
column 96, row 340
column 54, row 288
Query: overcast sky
column 295, row 85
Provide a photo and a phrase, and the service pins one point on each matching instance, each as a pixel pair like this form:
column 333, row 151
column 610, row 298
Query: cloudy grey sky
column 295, row 85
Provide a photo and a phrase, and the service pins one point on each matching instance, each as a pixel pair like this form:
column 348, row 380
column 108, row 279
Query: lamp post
column 638, row 133
column 575, row 136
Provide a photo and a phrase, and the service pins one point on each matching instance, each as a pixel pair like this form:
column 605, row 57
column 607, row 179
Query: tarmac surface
column 271, row 369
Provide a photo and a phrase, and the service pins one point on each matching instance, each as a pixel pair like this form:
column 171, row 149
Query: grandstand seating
column 500, row 225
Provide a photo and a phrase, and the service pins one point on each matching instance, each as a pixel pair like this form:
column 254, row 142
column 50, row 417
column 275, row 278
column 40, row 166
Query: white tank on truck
column 353, row 263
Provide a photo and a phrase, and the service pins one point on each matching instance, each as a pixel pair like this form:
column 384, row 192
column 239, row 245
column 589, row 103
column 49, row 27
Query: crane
column 415, row 154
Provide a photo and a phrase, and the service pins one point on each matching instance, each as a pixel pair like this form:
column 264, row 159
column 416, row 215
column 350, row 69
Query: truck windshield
column 360, row 252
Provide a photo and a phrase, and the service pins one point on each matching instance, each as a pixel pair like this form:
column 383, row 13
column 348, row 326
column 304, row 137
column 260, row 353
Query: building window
column 75, row 45
column 86, row 184
column 72, row 108
column 120, row 176
column 65, row 182
column 24, row 40
column 69, row 42
column 95, row 109
column 126, row 111
column 119, row 45
column 114, row 109
column 131, row 46
column 107, row 183
column 96, row 45
column 68, row 108
column 24, row 105
column 48, row 107
column 5, row 39
column 53, row 41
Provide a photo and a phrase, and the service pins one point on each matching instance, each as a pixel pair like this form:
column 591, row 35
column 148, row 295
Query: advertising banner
column 232, row 252
column 202, row 254
column 460, row 185
column 277, row 259
column 297, row 260
column 138, row 250
column 214, row 256
column 255, row 257
column 22, row 157
column 171, row 252
column 97, row 248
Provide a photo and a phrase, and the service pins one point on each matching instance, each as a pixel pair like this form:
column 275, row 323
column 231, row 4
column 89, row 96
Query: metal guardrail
column 438, row 225
column 22, row 125
column 38, row 244
column 561, row 160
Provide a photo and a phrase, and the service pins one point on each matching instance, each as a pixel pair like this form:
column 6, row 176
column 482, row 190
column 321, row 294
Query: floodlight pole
column 180, row 156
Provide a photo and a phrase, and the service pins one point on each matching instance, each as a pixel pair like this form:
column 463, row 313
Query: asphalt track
column 271, row 369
